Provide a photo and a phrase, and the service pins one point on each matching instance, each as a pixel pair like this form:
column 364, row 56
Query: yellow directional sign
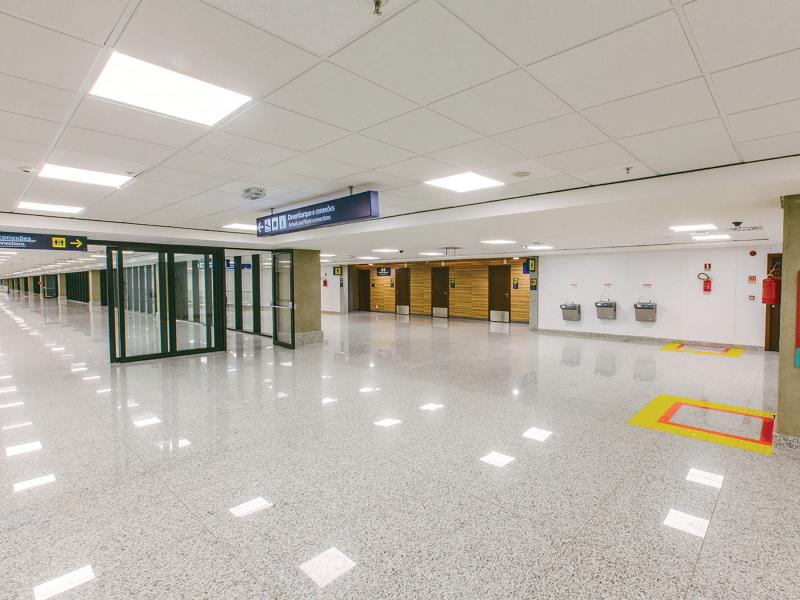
column 39, row 241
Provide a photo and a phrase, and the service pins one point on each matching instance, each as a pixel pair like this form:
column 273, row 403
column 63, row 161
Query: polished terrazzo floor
column 370, row 467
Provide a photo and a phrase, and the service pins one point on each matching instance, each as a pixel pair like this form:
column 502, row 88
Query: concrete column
column 533, row 317
column 788, row 419
column 62, row 285
column 343, row 281
column 307, row 298
column 30, row 286
column 94, row 286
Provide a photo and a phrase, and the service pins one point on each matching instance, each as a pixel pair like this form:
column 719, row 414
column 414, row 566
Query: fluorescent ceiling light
column 706, row 227
column 54, row 208
column 368, row 257
column 710, row 238
column 327, row 255
column 324, row 260
column 498, row 242
column 83, row 175
column 386, row 250
column 138, row 83
column 465, row 182
column 7, row 252
column 241, row 226
column 538, row 247
column 431, row 253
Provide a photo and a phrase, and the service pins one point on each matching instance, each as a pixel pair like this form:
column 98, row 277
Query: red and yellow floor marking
column 731, row 352
column 658, row 412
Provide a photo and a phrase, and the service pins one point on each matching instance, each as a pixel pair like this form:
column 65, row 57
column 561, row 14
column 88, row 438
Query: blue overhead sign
column 38, row 241
column 341, row 210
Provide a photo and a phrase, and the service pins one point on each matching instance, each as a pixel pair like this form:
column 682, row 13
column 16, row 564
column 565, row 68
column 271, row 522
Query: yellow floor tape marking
column 731, row 353
column 648, row 417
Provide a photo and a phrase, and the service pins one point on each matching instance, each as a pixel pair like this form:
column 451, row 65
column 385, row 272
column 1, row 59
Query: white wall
column 330, row 295
column 725, row 315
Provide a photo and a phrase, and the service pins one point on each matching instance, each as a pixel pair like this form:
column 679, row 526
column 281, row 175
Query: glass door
column 248, row 291
column 163, row 301
column 283, row 299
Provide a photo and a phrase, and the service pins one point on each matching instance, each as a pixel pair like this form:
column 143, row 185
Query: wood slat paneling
column 382, row 295
column 420, row 288
column 470, row 297
column 520, row 298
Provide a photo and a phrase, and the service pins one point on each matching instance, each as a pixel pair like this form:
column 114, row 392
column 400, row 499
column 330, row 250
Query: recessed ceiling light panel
column 711, row 238
column 386, row 250
column 368, row 257
column 138, row 83
column 53, row 208
column 50, row 171
column 705, row 227
column 431, row 253
column 241, row 227
column 465, row 182
column 538, row 247
column 497, row 242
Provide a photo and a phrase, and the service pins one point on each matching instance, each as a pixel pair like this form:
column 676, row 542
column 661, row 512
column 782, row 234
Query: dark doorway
column 363, row 289
column 440, row 294
column 402, row 291
column 773, row 328
column 500, row 293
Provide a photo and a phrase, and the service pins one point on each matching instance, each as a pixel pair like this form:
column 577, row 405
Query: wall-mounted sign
column 341, row 282
column 534, row 284
column 529, row 265
column 230, row 265
column 452, row 282
column 341, row 210
column 391, row 282
column 337, row 271
column 384, row 271
column 515, row 283
column 706, row 266
column 46, row 241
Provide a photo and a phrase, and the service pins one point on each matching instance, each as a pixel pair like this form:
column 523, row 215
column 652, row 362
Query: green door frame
column 275, row 254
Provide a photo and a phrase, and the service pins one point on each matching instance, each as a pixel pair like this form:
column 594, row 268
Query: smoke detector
column 254, row 193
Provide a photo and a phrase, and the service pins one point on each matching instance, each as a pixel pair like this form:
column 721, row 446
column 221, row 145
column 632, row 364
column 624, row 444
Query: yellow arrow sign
column 76, row 243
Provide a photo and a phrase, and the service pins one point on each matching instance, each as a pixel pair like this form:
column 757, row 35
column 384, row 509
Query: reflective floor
column 404, row 458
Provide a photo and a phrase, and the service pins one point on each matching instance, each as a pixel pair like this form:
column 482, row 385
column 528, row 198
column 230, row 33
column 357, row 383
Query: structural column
column 94, row 286
column 343, row 282
column 533, row 317
column 62, row 285
column 788, row 419
column 307, row 298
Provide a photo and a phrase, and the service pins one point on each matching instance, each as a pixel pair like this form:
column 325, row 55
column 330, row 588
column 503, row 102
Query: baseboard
column 641, row 339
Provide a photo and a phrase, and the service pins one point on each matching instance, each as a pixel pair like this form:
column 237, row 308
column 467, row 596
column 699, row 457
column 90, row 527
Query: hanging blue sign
column 341, row 210
column 384, row 271
column 47, row 241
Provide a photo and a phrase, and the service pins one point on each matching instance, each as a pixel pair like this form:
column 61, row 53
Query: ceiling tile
column 413, row 54
column 529, row 31
column 240, row 149
column 136, row 201
column 555, row 135
column 363, row 151
column 421, row 131
column 28, row 129
column 480, row 154
column 607, row 69
column 211, row 46
column 318, row 167
column 683, row 148
column 624, row 172
column 13, row 183
column 282, row 127
column 375, row 180
column 551, row 184
column 208, row 165
column 42, row 55
column 108, row 117
column 686, row 102
column 320, row 27
column 66, row 192
column 147, row 184
column 90, row 20
column 94, row 162
column 732, row 32
column 29, row 98
column 210, row 202
column 765, row 122
column 534, row 168
column 76, row 139
column 590, row 157
column 335, row 96
column 759, row 83
column 183, row 178
column 420, row 168
column 278, row 177
column 423, row 191
column 771, row 147
column 508, row 102
column 21, row 154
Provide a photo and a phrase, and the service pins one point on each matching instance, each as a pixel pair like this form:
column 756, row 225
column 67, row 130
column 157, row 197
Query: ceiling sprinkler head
column 521, row 173
column 378, row 5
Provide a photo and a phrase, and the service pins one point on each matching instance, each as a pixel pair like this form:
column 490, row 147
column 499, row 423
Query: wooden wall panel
column 420, row 288
column 469, row 299
column 381, row 297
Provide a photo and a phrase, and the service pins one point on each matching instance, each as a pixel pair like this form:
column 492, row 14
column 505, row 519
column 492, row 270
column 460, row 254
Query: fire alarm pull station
column 706, row 279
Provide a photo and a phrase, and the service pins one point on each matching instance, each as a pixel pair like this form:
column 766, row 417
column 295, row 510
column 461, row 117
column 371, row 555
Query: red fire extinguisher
column 706, row 279
column 771, row 290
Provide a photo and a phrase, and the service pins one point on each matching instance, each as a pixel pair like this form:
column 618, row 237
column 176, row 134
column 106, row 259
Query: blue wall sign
column 46, row 241
column 529, row 266
column 341, row 210
column 384, row 271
